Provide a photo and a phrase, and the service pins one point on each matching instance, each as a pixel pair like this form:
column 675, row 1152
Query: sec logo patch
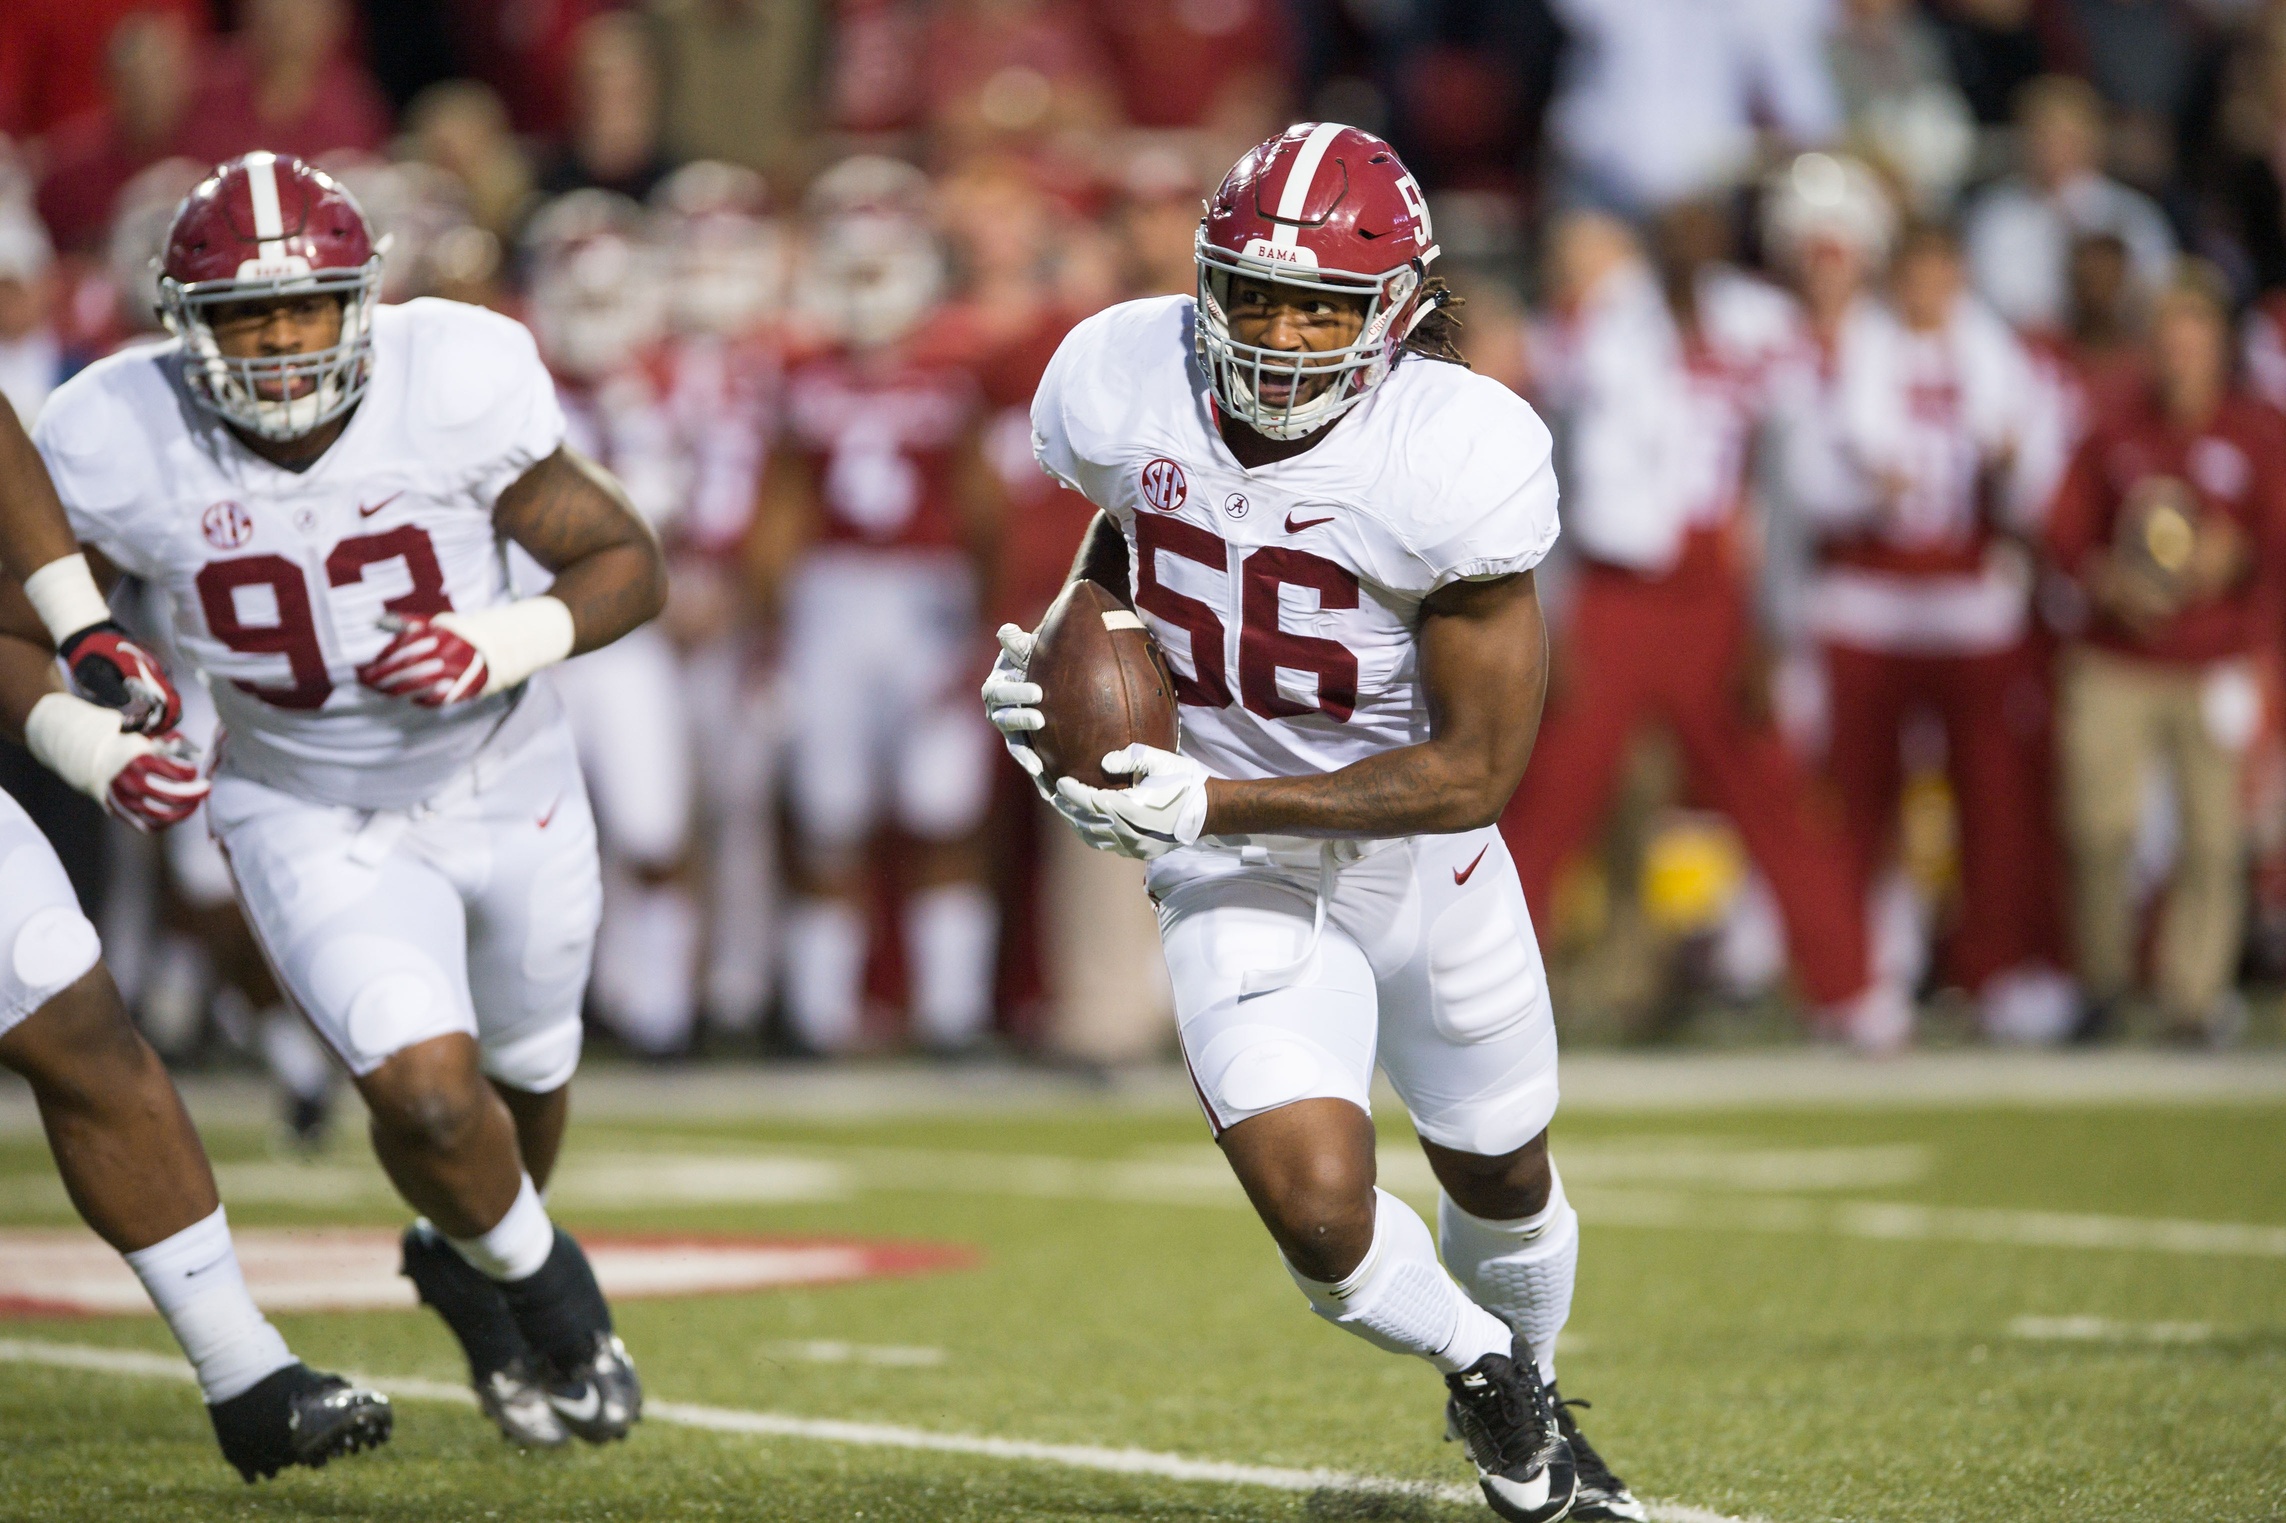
column 226, row 525
column 1163, row 485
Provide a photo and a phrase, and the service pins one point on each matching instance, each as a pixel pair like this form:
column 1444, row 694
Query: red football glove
column 159, row 788
column 426, row 662
column 109, row 668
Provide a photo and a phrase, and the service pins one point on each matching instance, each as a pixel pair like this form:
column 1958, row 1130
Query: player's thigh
column 1468, row 1036
column 533, row 916
column 1290, row 1033
column 46, row 944
column 633, row 730
column 369, row 940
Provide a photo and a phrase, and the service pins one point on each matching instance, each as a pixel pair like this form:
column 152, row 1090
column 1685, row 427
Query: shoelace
column 1592, row 1471
column 1509, row 1417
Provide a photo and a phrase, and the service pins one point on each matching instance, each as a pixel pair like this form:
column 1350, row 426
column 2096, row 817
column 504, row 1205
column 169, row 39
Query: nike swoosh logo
column 367, row 510
column 1531, row 1496
column 1308, row 523
column 1462, row 874
column 549, row 817
column 590, row 1403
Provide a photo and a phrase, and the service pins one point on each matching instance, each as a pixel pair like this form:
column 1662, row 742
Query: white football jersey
column 1287, row 597
column 277, row 580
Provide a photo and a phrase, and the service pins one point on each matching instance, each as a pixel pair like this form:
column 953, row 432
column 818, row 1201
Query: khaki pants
column 2121, row 716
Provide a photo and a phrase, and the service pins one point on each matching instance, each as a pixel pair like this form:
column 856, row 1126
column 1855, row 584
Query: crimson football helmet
column 1328, row 208
column 262, row 225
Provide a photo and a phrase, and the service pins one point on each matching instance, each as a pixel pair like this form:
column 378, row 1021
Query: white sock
column 518, row 1244
column 951, row 934
column 1401, row 1299
column 194, row 1280
column 825, row 972
column 1521, row 1270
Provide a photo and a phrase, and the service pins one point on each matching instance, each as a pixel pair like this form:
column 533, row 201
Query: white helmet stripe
column 262, row 186
column 1296, row 195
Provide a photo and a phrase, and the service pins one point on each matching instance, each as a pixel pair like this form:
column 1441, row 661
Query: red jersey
column 2236, row 466
column 882, row 433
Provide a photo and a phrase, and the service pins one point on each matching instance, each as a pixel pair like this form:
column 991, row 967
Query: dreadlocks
column 1437, row 335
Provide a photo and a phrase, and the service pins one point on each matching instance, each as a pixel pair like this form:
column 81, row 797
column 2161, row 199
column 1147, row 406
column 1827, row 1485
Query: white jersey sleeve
column 99, row 452
column 490, row 410
column 1077, row 420
column 1483, row 498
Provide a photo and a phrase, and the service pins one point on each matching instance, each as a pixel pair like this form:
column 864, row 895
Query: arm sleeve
column 97, row 473
column 1051, row 425
column 1498, row 513
column 528, row 421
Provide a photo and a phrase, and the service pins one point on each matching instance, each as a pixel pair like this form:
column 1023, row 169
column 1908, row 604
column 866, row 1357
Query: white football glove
column 1012, row 704
column 1165, row 807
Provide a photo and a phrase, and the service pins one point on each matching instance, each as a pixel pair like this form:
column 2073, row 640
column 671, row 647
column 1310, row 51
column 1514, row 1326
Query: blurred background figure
column 147, row 81
column 614, row 142
column 2020, row 230
column 31, row 354
column 284, row 80
column 2172, row 521
column 880, row 512
column 598, row 307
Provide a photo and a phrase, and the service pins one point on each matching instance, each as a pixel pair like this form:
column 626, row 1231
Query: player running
column 1330, row 524
column 123, row 1143
column 322, row 488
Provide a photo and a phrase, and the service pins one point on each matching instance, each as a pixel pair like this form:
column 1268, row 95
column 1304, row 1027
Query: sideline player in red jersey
column 129, row 1157
column 320, row 486
column 1331, row 526
column 878, row 496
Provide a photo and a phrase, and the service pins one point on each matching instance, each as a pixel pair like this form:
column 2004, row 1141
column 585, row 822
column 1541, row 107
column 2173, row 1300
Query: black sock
column 559, row 1307
column 469, row 1301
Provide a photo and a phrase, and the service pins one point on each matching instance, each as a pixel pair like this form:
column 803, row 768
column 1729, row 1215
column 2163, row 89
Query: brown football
column 1103, row 685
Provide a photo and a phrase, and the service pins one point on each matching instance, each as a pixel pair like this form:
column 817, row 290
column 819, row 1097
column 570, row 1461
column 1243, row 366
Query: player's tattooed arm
column 1484, row 668
column 1102, row 559
column 575, row 519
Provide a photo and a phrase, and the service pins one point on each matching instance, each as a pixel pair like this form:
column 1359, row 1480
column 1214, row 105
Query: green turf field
column 2054, row 1312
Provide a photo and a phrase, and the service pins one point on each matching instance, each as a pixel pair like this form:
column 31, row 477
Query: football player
column 879, row 484
column 1330, row 525
column 122, row 1140
column 323, row 488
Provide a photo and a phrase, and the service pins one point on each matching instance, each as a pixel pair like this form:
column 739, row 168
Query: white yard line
column 1146, row 1462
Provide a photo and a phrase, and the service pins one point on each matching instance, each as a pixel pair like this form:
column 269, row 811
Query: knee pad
column 1248, row 1067
column 46, row 944
column 536, row 1058
column 374, row 996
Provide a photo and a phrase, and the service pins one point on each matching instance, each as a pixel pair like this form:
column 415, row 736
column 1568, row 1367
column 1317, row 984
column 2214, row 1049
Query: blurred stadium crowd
column 1913, row 365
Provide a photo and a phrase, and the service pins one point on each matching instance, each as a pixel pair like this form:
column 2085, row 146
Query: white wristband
column 515, row 639
column 80, row 742
column 66, row 596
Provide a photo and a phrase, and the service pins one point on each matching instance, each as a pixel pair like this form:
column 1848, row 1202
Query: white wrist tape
column 80, row 742
column 66, row 596
column 515, row 639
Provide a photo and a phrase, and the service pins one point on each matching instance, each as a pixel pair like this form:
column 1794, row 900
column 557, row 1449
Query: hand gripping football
column 1103, row 685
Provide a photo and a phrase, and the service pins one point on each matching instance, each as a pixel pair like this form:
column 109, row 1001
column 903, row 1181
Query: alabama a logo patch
column 1163, row 485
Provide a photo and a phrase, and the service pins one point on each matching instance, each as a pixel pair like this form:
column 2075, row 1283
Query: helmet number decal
column 1410, row 193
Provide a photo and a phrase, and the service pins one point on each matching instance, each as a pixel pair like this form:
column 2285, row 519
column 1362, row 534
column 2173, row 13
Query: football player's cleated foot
column 517, row 1402
column 1602, row 1497
column 601, row 1398
column 501, row 1366
column 1509, row 1423
column 298, row 1416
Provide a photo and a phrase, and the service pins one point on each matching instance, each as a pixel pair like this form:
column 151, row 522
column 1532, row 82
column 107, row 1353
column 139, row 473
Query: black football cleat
column 599, row 1399
column 1602, row 1497
column 1511, row 1427
column 298, row 1416
column 501, row 1365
